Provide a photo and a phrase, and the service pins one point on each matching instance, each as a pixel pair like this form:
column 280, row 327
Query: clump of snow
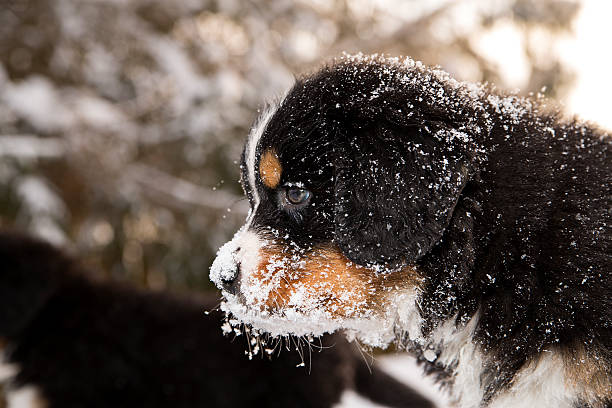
column 231, row 261
column 374, row 331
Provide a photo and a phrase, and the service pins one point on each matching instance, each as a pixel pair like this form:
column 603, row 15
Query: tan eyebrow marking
column 270, row 168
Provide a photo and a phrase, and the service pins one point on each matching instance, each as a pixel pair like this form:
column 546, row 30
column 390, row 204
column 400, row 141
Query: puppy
column 69, row 342
column 472, row 228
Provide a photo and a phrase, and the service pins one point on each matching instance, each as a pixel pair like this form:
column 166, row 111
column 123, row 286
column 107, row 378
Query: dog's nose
column 225, row 270
column 230, row 281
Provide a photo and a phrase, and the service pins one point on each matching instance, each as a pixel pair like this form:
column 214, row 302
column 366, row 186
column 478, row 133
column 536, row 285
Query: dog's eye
column 297, row 196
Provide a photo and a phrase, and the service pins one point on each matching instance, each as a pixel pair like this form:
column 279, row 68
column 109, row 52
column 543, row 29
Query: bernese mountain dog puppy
column 69, row 342
column 472, row 228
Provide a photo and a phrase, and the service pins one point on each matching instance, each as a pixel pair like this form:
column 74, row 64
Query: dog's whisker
column 365, row 360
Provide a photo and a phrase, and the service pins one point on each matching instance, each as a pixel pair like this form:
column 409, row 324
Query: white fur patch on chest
column 408, row 317
column 540, row 384
column 453, row 346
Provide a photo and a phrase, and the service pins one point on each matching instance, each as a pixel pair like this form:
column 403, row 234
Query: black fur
column 500, row 205
column 103, row 345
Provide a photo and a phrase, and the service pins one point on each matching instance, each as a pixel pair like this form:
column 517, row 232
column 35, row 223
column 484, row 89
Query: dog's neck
column 451, row 353
column 448, row 352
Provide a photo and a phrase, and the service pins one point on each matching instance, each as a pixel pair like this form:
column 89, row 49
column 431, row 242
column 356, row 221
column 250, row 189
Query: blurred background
column 122, row 121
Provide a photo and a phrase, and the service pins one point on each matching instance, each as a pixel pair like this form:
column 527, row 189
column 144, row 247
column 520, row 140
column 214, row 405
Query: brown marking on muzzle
column 325, row 279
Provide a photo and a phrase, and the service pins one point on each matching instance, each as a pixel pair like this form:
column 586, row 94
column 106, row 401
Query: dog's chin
column 371, row 329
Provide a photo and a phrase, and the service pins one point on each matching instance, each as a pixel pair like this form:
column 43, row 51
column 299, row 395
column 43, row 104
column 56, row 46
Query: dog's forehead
column 302, row 132
column 285, row 148
column 336, row 101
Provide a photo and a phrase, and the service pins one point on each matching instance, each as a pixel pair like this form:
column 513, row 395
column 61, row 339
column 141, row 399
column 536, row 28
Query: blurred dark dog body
column 70, row 342
column 389, row 200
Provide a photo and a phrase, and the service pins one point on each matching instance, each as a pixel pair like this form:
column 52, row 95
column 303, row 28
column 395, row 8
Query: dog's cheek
column 261, row 285
column 319, row 281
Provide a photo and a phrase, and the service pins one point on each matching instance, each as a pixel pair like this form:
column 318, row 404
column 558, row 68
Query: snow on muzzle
column 235, row 259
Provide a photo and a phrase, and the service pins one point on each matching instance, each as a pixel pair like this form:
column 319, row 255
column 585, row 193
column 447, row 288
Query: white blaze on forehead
column 251, row 154
column 228, row 257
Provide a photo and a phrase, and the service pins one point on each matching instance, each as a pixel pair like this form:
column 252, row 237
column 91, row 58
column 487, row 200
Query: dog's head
column 352, row 179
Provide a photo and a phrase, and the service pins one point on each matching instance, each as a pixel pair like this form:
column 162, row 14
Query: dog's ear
column 395, row 190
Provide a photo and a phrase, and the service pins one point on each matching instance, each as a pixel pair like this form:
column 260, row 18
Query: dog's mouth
column 280, row 321
column 374, row 328
column 282, row 291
